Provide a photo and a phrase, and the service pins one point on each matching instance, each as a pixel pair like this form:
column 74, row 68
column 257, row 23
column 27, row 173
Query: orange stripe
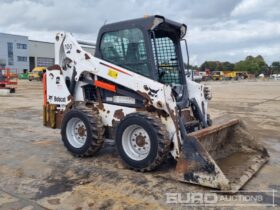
column 45, row 88
column 106, row 86
column 119, row 70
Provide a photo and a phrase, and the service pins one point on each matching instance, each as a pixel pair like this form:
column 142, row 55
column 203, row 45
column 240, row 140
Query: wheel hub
column 76, row 132
column 136, row 142
column 140, row 140
column 81, row 131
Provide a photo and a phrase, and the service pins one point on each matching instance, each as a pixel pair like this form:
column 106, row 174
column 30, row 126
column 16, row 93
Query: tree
column 262, row 65
column 253, row 65
column 275, row 67
column 204, row 66
column 219, row 66
column 227, row 66
column 247, row 65
column 212, row 65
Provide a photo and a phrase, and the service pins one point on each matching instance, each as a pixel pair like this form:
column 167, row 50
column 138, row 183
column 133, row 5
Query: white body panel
column 72, row 58
column 57, row 91
column 108, row 113
column 195, row 91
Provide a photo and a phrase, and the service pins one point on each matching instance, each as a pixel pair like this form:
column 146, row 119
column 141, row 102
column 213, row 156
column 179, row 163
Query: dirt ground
column 36, row 171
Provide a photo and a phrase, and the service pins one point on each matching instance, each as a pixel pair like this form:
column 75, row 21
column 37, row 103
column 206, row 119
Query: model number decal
column 68, row 46
column 112, row 73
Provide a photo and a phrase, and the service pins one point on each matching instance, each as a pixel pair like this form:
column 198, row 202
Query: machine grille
column 166, row 60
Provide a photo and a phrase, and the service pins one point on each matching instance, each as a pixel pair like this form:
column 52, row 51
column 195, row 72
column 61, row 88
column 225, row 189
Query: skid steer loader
column 134, row 91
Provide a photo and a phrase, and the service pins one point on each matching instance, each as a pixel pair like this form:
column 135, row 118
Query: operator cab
column 148, row 46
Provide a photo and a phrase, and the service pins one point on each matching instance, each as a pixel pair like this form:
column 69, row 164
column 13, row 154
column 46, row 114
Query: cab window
column 126, row 48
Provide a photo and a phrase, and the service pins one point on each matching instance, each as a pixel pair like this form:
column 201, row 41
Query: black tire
column 12, row 90
column 94, row 128
column 209, row 120
column 159, row 141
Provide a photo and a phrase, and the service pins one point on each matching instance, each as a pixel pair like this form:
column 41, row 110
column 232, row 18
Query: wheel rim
column 136, row 142
column 76, row 132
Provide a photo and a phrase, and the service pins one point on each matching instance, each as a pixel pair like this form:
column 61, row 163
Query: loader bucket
column 223, row 156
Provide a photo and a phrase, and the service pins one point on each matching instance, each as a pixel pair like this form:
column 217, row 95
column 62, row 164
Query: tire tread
column 97, row 129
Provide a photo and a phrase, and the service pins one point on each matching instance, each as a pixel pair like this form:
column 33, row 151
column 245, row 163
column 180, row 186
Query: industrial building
column 20, row 53
column 42, row 53
column 14, row 51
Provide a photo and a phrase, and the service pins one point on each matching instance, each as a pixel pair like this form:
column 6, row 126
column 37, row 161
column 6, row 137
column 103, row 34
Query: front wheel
column 142, row 141
column 82, row 132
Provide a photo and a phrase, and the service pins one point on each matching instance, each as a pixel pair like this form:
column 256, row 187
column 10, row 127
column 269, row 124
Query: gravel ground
column 36, row 171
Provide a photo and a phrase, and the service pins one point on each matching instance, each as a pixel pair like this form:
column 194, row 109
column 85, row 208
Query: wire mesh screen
column 166, row 60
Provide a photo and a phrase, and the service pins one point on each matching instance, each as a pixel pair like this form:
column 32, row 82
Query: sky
column 224, row 30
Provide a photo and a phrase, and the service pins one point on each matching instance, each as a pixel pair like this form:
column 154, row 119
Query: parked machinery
column 134, row 91
column 8, row 80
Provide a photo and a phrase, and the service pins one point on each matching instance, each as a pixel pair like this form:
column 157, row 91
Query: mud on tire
column 86, row 125
column 155, row 134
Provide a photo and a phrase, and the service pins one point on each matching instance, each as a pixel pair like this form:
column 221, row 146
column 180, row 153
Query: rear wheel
column 142, row 141
column 82, row 132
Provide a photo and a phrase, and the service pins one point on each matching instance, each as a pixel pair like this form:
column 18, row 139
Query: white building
column 14, row 51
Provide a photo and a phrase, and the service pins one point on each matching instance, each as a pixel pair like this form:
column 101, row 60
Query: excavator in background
column 133, row 90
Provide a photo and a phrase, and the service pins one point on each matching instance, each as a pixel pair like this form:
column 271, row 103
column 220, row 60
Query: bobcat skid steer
column 134, row 91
